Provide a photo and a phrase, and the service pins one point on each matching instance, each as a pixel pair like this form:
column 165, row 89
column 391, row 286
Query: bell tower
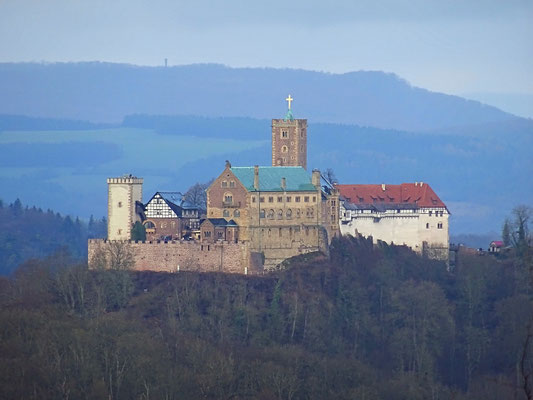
column 289, row 140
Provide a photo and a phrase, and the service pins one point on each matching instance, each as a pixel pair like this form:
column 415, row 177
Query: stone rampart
column 173, row 256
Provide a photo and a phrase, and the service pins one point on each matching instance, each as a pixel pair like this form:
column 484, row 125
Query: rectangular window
column 224, row 184
column 280, row 199
column 314, row 199
column 306, row 199
column 430, row 213
column 271, row 199
column 439, row 225
column 232, row 184
column 261, row 199
column 253, row 199
column 288, row 199
column 297, row 199
column 284, row 134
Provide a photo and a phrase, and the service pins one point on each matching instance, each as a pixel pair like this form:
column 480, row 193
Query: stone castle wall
column 174, row 256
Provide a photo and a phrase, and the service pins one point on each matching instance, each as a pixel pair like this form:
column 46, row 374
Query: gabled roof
column 220, row 222
column 296, row 178
column 175, row 200
column 418, row 193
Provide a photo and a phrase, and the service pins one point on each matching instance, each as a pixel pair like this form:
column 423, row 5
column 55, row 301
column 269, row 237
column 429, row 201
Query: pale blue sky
column 473, row 47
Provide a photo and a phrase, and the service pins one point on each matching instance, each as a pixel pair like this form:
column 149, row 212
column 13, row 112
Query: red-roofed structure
column 418, row 193
column 409, row 214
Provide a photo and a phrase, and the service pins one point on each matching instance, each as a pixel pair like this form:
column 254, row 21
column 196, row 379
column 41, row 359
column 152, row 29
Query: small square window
column 271, row 199
column 288, row 199
column 224, row 184
column 261, row 199
column 280, row 199
column 297, row 199
column 306, row 199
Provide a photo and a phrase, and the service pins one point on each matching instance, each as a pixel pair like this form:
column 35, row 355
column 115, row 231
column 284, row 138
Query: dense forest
column 365, row 322
column 33, row 233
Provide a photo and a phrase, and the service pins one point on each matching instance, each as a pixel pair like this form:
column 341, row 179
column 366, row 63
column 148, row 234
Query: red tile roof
column 418, row 193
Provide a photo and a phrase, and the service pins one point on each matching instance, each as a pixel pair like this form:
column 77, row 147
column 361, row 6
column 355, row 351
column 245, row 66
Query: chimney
column 256, row 177
column 421, row 183
column 228, row 164
column 315, row 180
column 283, row 183
column 416, row 184
column 383, row 187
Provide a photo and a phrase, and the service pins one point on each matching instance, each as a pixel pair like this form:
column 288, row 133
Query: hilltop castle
column 258, row 216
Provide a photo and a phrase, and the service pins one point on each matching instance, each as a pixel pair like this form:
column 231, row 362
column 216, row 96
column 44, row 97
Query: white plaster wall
column 404, row 228
column 400, row 230
column 122, row 195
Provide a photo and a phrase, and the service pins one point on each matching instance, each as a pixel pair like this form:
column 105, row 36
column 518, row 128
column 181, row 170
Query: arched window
column 284, row 149
column 270, row 214
column 149, row 225
column 289, row 214
column 228, row 198
column 280, row 214
column 262, row 214
column 225, row 213
column 297, row 213
column 236, row 213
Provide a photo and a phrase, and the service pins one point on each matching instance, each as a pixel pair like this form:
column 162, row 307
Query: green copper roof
column 296, row 178
column 289, row 116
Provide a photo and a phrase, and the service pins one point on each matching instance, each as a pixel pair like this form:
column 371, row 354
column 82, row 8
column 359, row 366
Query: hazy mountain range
column 176, row 126
column 103, row 92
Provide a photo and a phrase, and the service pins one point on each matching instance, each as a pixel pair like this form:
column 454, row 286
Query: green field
column 67, row 170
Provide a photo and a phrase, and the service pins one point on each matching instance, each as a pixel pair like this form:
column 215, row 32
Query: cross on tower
column 289, row 100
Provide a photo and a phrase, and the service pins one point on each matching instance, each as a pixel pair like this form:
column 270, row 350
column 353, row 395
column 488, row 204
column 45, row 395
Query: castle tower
column 122, row 195
column 289, row 140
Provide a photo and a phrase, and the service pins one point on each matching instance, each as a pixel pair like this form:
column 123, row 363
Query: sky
column 480, row 49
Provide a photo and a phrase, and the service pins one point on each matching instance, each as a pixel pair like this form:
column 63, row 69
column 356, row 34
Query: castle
column 258, row 216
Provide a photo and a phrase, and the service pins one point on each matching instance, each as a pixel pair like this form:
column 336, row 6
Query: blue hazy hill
column 108, row 92
column 481, row 174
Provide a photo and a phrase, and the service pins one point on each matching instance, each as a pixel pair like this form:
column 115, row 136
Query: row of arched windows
column 226, row 213
column 289, row 214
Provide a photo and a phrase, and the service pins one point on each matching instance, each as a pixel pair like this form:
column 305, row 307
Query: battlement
column 126, row 179
column 174, row 256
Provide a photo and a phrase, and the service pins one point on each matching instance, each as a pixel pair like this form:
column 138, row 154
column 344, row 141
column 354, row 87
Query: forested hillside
column 33, row 233
column 367, row 323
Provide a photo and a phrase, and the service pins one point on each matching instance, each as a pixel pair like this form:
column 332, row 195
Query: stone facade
column 175, row 256
column 289, row 142
column 123, row 194
column 278, row 219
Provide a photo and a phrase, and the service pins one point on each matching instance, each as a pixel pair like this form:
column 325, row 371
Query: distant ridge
column 108, row 92
column 26, row 123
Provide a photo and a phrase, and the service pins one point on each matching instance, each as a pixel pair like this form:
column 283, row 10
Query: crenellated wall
column 174, row 256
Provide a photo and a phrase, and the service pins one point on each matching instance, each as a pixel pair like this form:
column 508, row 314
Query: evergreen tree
column 138, row 232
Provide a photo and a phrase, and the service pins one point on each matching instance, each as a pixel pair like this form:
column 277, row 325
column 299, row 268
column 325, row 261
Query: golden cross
column 289, row 100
